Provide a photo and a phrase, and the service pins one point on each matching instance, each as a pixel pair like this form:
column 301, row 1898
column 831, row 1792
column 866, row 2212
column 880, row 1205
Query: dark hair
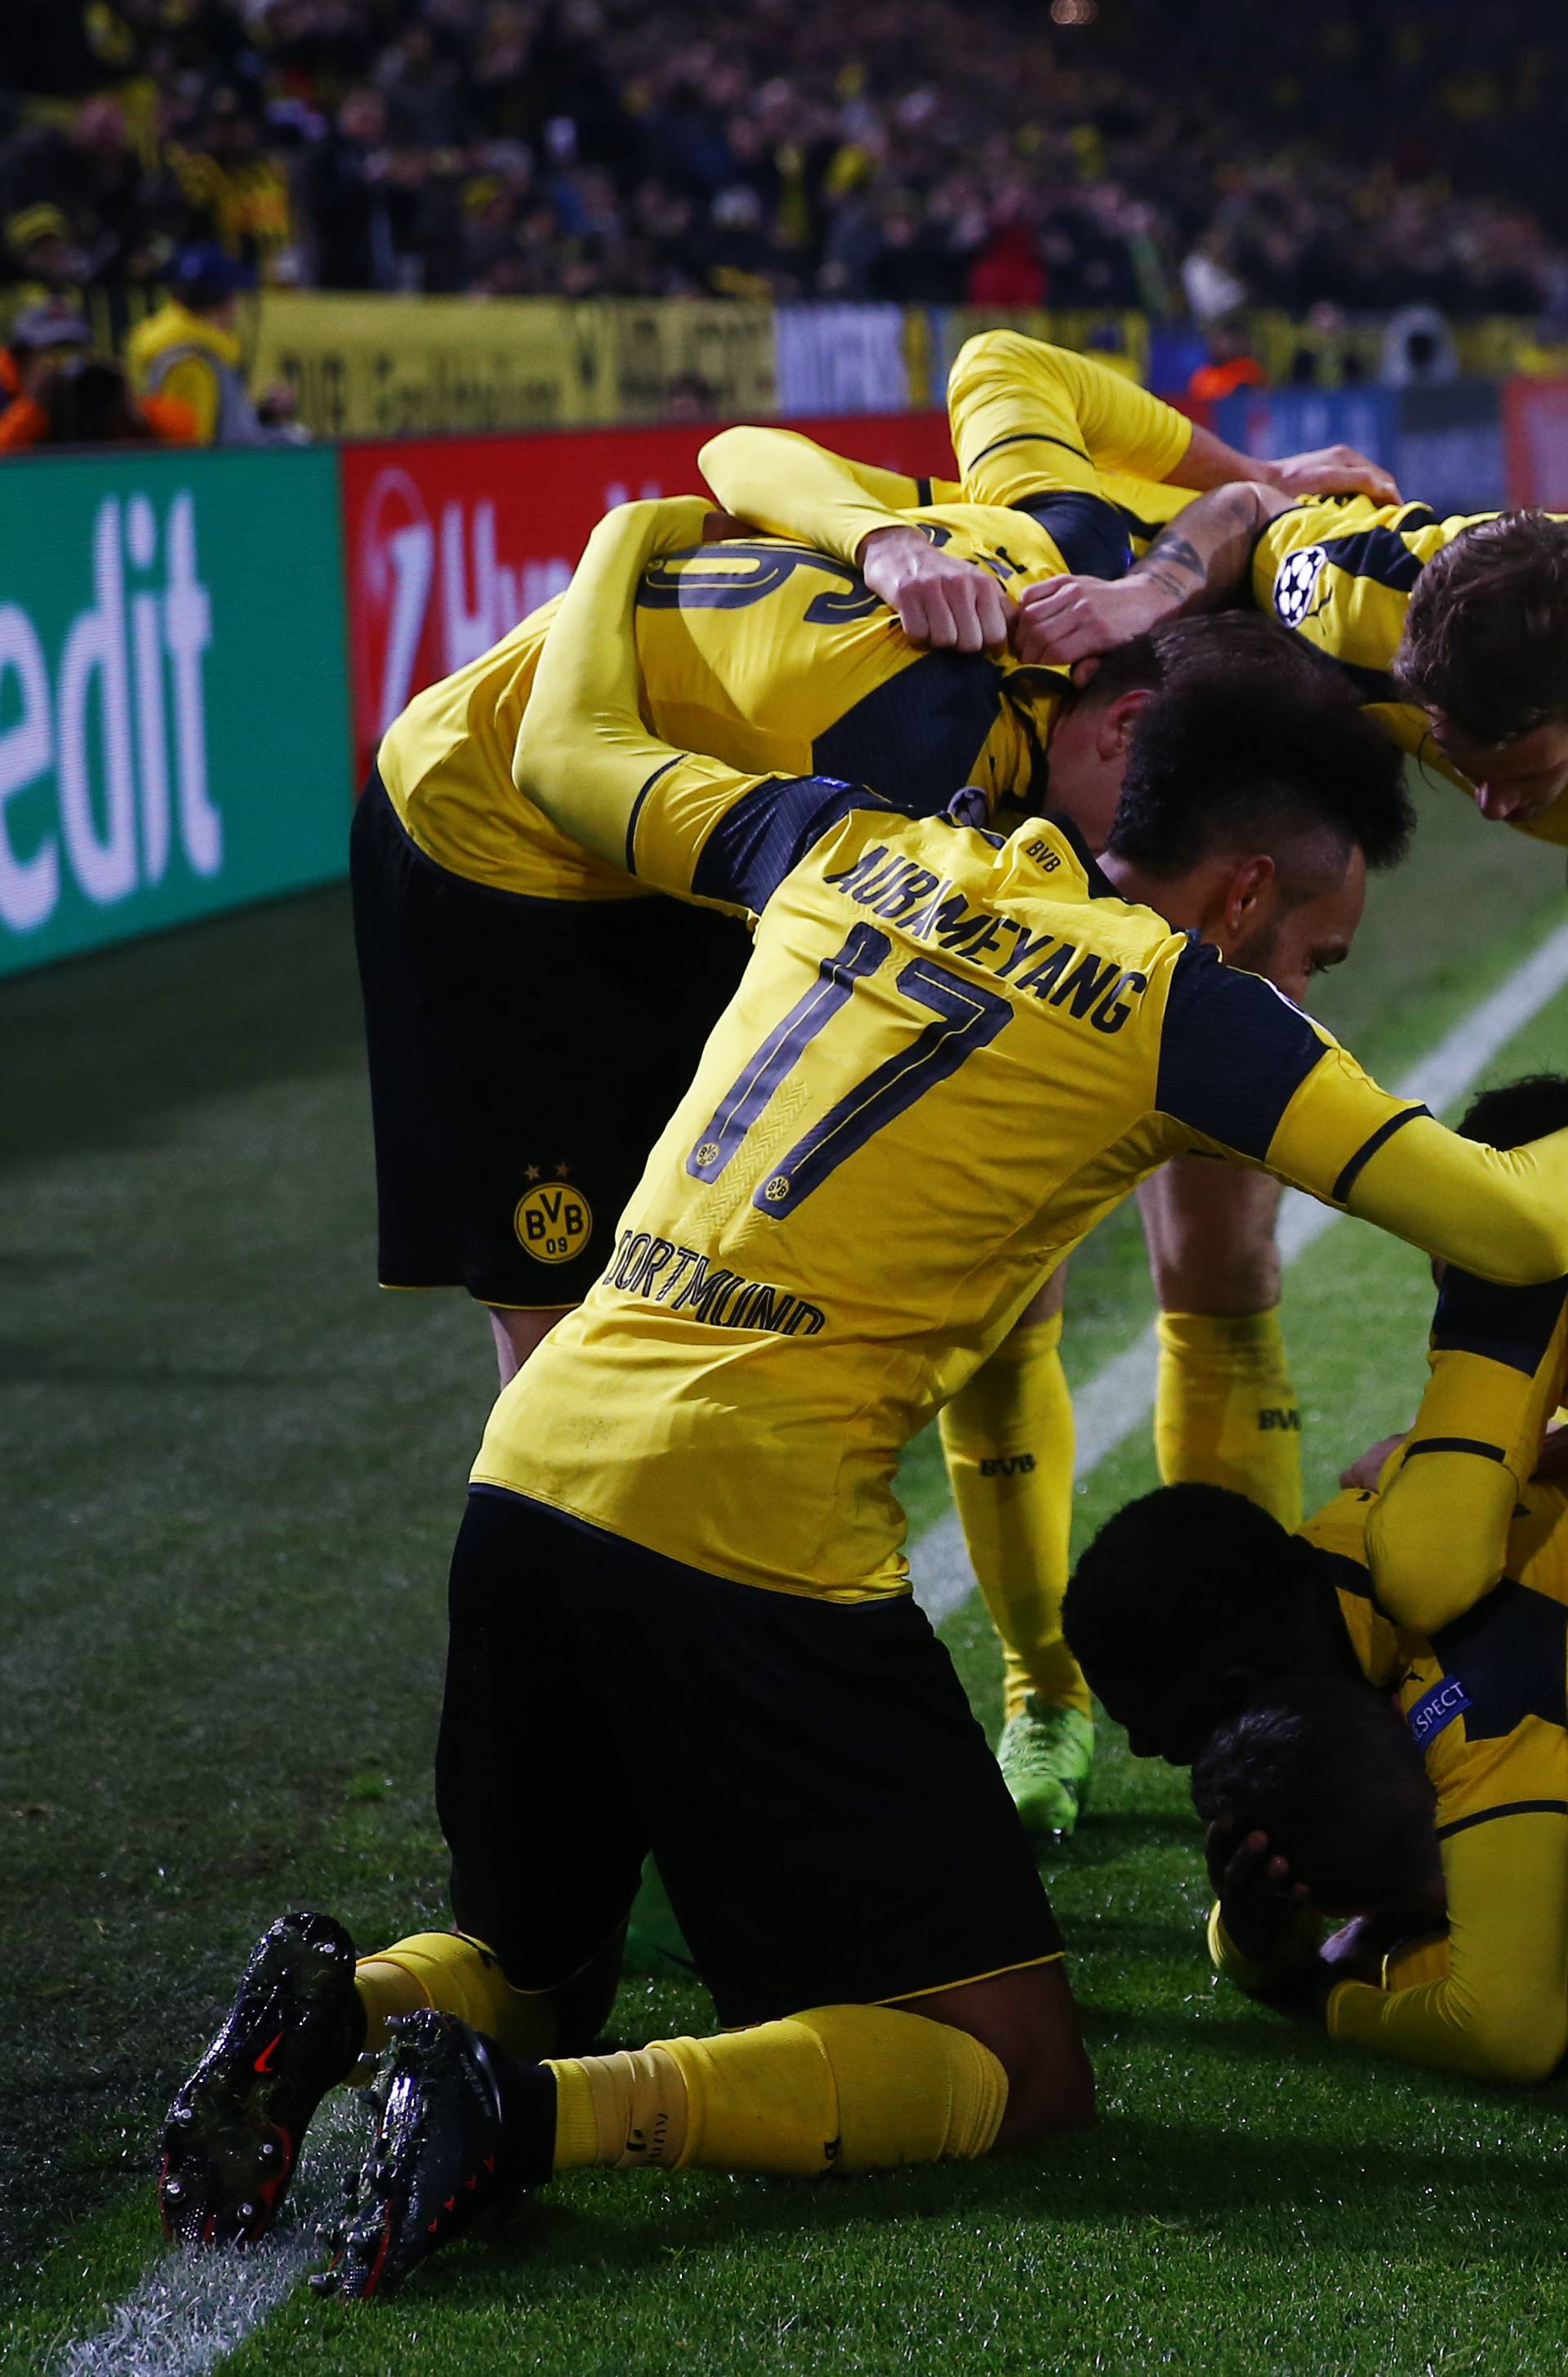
column 1182, row 1565
column 1218, row 647
column 1327, row 1768
column 1257, row 759
column 1486, row 632
column 1517, row 1111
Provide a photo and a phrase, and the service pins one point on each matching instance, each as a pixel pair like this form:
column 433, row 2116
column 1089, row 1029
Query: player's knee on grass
column 1210, row 1234
column 1029, row 2022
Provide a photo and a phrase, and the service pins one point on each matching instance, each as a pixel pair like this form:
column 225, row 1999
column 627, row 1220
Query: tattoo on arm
column 1201, row 557
column 1174, row 564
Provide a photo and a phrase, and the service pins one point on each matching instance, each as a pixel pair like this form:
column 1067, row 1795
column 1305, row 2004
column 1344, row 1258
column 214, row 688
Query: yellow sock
column 845, row 2088
column 460, row 1976
column 1008, row 1438
column 1225, row 1412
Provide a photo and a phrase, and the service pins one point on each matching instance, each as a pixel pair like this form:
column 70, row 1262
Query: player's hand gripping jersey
column 950, row 1054
column 770, row 655
column 1485, row 1698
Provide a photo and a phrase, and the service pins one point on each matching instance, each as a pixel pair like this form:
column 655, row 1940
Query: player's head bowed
column 1183, row 1602
column 1259, row 757
column 1327, row 1770
column 1485, row 653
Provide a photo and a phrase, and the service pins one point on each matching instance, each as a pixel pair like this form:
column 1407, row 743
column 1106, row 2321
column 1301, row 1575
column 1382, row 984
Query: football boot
column 1045, row 1754
column 462, row 2125
column 233, row 2136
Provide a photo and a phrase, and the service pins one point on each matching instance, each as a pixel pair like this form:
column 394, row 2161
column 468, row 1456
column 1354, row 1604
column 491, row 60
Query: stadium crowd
column 920, row 151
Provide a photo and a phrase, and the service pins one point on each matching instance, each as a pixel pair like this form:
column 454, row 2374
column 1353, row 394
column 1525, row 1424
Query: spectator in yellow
column 190, row 349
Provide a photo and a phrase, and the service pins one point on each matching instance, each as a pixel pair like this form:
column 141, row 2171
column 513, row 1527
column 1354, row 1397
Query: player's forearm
column 1203, row 559
column 1210, row 462
column 788, row 486
column 1296, row 1957
column 1025, row 417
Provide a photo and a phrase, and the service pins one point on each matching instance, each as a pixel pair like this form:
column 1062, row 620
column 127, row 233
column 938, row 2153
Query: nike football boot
column 1045, row 1754
column 233, row 2136
column 462, row 2124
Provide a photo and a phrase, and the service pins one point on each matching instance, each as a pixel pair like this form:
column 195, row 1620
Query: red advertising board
column 1535, row 415
column 449, row 541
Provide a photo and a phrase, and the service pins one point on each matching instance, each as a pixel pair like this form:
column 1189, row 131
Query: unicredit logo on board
column 116, row 712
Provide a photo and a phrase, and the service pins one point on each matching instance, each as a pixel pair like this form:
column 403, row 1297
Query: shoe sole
column 233, row 2137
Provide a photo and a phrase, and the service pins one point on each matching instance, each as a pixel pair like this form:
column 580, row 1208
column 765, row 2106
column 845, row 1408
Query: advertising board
column 173, row 729
column 449, row 542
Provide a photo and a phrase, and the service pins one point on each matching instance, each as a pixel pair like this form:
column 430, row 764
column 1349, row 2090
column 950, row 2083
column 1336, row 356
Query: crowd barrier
column 377, row 367
column 199, row 651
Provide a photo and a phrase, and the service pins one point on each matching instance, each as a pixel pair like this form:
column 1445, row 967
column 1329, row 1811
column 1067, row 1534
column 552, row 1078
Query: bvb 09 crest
column 553, row 1222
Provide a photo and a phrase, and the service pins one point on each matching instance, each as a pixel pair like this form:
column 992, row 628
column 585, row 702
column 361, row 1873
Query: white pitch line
column 1120, row 1397
column 189, row 2311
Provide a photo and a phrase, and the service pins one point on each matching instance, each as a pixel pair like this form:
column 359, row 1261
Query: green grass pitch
column 234, row 1472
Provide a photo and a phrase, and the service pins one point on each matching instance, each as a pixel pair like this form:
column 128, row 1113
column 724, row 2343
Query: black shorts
column 524, row 1056
column 827, row 1817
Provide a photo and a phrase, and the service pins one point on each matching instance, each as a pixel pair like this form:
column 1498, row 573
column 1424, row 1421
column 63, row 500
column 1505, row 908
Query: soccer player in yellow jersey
column 1317, row 1804
column 499, row 961
column 1453, row 632
column 1441, row 1831
column 680, row 1612
column 1226, row 1410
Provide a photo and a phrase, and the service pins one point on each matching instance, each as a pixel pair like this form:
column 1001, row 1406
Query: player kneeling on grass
column 680, row 1614
column 1216, row 1637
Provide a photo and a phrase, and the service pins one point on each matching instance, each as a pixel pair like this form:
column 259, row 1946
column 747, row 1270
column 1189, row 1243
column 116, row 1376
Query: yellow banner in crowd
column 366, row 366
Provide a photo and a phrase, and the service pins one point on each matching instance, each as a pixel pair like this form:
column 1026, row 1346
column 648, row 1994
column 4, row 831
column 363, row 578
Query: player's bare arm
column 1325, row 471
column 1200, row 562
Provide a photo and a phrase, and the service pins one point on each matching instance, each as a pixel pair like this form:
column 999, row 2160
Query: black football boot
column 233, row 2136
column 462, row 2125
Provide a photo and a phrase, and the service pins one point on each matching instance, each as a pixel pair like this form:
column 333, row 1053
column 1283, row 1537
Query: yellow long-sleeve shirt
column 1487, row 1698
column 1337, row 570
column 1438, row 1539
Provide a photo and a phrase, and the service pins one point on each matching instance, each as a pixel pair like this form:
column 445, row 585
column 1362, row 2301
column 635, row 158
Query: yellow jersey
column 1487, row 1701
column 770, row 654
column 761, row 653
column 950, row 1055
column 1339, row 571
column 737, row 1388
